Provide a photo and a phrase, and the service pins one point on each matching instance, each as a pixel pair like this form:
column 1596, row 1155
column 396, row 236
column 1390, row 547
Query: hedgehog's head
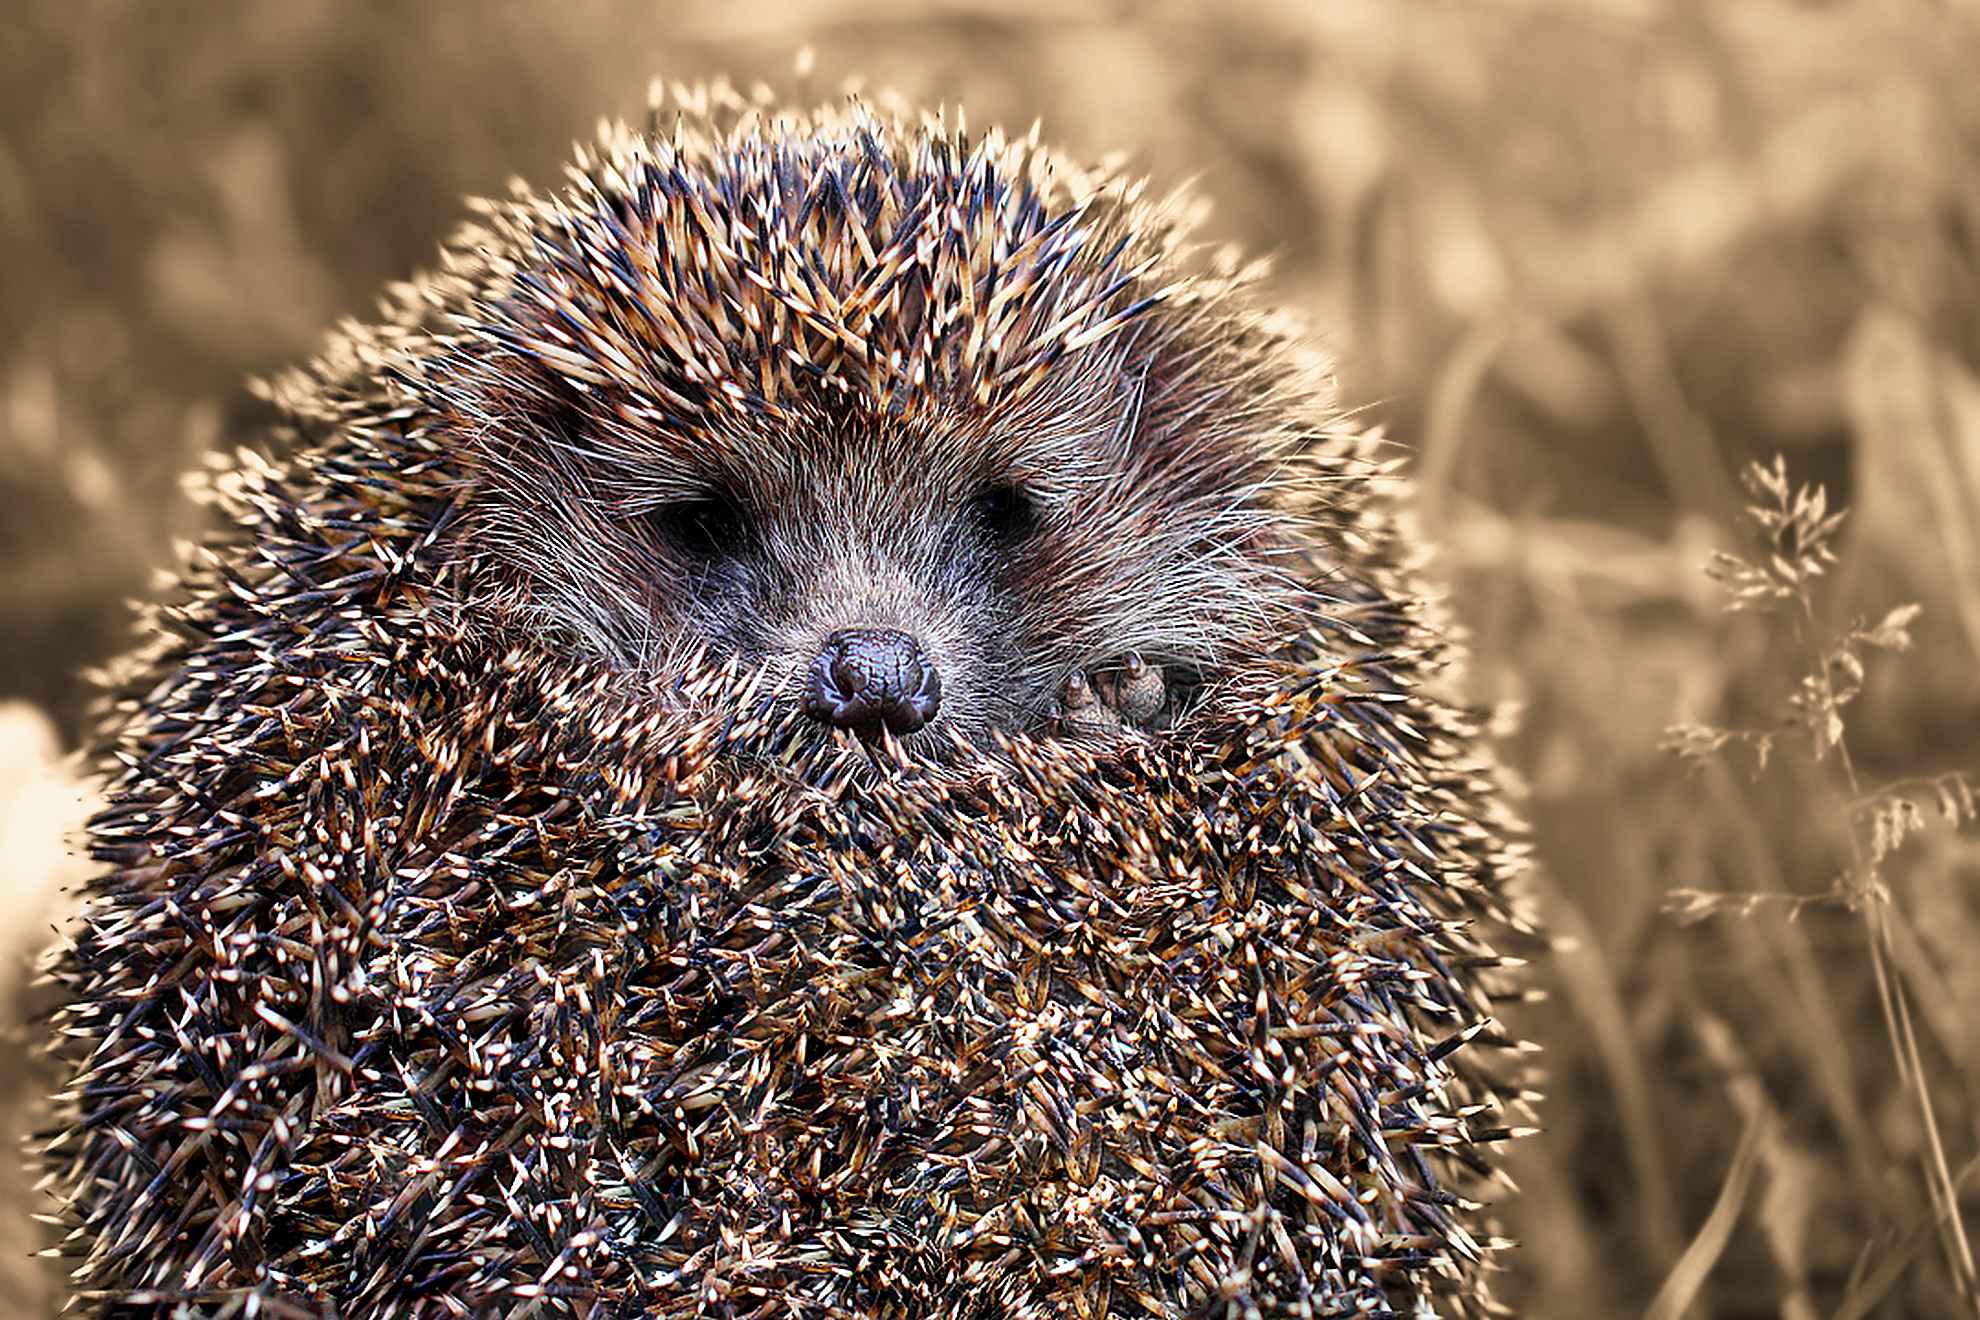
column 942, row 434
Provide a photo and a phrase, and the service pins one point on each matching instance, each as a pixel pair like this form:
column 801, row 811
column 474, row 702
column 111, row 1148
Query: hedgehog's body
column 491, row 922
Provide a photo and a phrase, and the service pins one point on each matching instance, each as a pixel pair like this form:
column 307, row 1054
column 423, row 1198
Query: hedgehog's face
column 874, row 579
column 932, row 435
column 925, row 578
column 932, row 580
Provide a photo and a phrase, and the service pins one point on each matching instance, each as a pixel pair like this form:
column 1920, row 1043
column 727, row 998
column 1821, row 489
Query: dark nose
column 868, row 678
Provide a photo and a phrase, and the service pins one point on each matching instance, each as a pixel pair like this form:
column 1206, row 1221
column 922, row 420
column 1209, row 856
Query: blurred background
column 1585, row 261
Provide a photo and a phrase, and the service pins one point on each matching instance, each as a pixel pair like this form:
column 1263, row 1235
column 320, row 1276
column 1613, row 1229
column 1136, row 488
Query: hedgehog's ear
column 560, row 418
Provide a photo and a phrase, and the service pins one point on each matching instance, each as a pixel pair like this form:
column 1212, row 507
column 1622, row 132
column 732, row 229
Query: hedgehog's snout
column 866, row 679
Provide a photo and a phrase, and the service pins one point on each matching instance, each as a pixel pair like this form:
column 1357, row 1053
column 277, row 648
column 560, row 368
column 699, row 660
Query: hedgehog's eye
column 1007, row 513
column 707, row 526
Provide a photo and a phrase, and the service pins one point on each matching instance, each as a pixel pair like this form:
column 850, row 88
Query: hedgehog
column 828, row 720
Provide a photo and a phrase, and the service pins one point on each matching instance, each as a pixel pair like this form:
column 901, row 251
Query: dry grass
column 1589, row 259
